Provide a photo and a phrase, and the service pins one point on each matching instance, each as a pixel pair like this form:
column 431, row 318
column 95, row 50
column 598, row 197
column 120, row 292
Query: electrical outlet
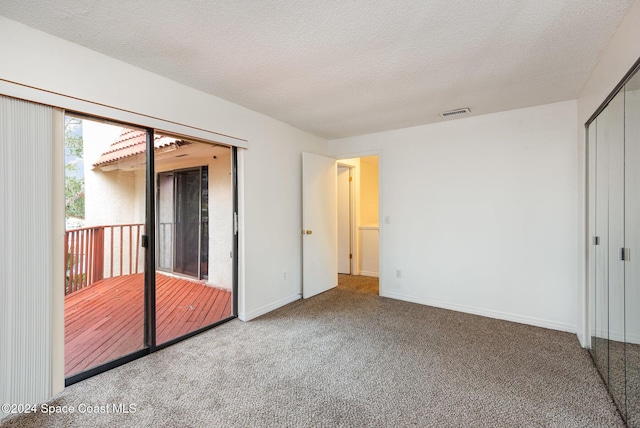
column 284, row 275
column 398, row 273
column 387, row 219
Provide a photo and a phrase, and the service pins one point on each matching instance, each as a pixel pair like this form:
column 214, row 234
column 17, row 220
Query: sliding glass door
column 105, row 169
column 195, row 236
column 150, row 241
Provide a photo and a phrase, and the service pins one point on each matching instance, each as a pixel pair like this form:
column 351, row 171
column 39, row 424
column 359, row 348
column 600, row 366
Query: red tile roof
column 131, row 142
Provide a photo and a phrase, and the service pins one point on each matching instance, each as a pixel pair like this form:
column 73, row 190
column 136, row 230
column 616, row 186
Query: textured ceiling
column 340, row 68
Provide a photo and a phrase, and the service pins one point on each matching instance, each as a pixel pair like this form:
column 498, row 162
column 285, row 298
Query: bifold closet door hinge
column 625, row 254
column 596, row 240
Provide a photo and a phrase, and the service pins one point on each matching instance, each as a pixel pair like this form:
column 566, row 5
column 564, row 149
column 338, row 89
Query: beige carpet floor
column 357, row 283
column 348, row 358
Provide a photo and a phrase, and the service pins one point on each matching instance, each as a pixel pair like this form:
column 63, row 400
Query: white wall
column 368, row 236
column 615, row 61
column 369, row 250
column 483, row 213
column 369, row 191
column 271, row 168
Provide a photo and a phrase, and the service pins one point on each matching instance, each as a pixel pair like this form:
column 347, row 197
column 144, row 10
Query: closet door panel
column 612, row 127
column 632, row 240
column 592, row 203
column 600, row 315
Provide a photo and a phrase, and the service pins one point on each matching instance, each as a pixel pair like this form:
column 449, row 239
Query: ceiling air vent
column 455, row 112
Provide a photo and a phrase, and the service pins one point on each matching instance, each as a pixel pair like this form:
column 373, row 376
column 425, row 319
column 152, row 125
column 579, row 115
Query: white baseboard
column 368, row 273
column 553, row 325
column 248, row 316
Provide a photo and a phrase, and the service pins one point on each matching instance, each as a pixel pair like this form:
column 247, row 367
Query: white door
column 344, row 220
column 319, row 224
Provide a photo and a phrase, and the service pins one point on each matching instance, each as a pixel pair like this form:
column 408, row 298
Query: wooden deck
column 106, row 320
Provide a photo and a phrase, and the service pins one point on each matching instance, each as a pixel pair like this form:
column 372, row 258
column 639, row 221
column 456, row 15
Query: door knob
column 306, row 232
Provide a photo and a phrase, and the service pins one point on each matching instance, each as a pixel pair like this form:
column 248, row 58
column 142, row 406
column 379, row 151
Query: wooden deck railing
column 98, row 252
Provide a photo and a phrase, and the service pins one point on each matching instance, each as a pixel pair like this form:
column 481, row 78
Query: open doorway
column 358, row 228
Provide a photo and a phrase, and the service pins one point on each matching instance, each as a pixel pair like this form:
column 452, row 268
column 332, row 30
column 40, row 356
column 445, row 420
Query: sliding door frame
column 150, row 245
column 627, row 77
column 236, row 229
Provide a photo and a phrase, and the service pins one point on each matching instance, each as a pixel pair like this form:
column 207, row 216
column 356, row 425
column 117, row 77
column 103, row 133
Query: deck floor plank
column 105, row 321
column 188, row 305
column 120, row 335
column 205, row 305
column 169, row 307
column 220, row 308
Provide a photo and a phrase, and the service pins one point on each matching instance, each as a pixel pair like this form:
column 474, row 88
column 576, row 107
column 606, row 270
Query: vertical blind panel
column 26, row 140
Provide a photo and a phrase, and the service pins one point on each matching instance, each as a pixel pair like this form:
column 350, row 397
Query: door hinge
column 350, row 256
column 350, row 178
column 596, row 240
column 145, row 241
column 625, row 254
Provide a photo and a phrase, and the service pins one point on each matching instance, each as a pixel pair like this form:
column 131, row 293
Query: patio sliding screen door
column 183, row 223
column 105, row 176
column 194, row 236
column 189, row 226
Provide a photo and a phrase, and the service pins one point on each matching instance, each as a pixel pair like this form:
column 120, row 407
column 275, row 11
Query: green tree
column 73, row 185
